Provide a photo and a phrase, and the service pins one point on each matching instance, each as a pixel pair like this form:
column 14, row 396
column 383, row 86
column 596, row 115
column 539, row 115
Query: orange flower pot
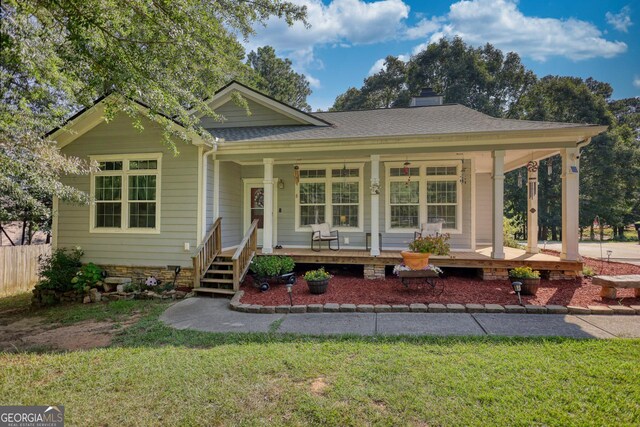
column 415, row 260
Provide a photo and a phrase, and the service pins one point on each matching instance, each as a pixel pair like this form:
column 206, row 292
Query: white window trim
column 125, row 173
column 328, row 205
column 422, row 178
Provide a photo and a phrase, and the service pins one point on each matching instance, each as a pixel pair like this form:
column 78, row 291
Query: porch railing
column 244, row 254
column 208, row 250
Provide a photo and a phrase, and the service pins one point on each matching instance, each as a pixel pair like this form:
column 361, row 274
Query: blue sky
column 349, row 38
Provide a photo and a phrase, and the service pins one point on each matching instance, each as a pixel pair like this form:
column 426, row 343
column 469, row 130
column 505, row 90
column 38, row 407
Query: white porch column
column 532, row 208
column 267, row 230
column 375, row 204
column 497, row 251
column 570, row 194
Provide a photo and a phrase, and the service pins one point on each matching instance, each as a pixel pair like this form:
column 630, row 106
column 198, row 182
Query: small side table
column 367, row 241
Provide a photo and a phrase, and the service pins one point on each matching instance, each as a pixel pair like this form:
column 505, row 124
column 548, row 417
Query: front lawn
column 155, row 375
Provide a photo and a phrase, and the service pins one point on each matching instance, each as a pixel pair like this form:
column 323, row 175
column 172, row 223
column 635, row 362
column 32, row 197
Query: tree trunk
column 24, row 229
column 554, row 233
column 601, row 232
column 592, row 233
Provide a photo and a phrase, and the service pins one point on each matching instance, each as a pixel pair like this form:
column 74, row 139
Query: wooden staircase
column 220, row 274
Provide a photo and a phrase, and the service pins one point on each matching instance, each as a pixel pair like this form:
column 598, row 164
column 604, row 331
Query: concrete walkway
column 213, row 315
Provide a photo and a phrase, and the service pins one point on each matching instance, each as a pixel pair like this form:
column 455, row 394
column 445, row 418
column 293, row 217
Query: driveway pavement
column 628, row 252
column 213, row 315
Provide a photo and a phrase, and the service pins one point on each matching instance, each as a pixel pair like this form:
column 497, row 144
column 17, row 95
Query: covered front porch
column 377, row 202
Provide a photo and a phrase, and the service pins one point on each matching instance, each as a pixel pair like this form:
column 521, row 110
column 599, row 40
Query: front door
column 254, row 207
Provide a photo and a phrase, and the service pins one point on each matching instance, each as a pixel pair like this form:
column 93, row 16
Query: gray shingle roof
column 431, row 120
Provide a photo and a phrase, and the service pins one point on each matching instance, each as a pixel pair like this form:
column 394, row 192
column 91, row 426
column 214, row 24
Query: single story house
column 374, row 175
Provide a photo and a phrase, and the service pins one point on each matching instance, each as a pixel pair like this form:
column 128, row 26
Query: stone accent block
column 331, row 307
column 475, row 308
column 514, row 309
column 599, row 309
column 315, row 308
column 418, row 308
column 283, row 309
column 576, row 309
column 535, row 309
column 456, row 308
column 493, row 308
column 254, row 308
column 298, row 309
column 437, row 308
column 268, row 309
column 400, row 308
column 557, row 309
column 373, row 272
column 348, row 308
column 494, row 274
column 621, row 309
column 382, row 308
column 365, row 308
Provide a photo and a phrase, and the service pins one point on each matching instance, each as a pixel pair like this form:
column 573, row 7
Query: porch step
column 216, row 280
column 222, row 263
column 214, row 291
column 212, row 271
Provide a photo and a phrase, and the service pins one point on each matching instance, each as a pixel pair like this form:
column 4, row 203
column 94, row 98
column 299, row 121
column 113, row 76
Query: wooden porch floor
column 480, row 258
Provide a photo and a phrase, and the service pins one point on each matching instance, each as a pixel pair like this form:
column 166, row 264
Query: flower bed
column 352, row 289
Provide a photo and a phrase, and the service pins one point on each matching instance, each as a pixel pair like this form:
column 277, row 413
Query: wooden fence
column 19, row 267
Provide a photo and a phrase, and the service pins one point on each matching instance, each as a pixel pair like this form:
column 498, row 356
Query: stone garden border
column 236, row 305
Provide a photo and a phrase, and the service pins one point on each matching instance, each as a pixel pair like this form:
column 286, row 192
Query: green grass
column 155, row 375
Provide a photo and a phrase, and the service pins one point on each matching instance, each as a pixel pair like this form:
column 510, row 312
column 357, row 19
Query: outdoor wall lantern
column 517, row 288
column 280, row 184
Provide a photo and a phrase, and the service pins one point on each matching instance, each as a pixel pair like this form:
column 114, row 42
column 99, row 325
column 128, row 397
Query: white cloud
column 620, row 21
column 341, row 23
column 502, row 24
column 379, row 64
column 424, row 26
column 636, row 81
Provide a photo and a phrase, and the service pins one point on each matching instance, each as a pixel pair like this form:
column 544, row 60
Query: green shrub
column 435, row 245
column 270, row 266
column 87, row 278
column 314, row 275
column 510, row 227
column 588, row 271
column 524, row 273
column 58, row 270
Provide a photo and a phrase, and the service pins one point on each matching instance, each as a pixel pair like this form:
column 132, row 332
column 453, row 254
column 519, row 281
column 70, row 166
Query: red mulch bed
column 350, row 287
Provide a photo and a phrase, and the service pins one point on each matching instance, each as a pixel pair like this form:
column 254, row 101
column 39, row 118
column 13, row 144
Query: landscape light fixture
column 289, row 286
column 517, row 288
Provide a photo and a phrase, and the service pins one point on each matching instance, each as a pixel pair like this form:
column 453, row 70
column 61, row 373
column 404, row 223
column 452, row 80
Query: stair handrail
column 207, row 251
column 244, row 254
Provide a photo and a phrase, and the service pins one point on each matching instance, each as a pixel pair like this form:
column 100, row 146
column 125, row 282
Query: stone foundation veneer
column 139, row 274
column 503, row 274
column 373, row 272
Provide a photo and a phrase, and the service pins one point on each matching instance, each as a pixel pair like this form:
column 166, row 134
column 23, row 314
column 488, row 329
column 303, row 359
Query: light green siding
column 178, row 202
column 235, row 116
column 287, row 236
column 230, row 204
column 484, row 208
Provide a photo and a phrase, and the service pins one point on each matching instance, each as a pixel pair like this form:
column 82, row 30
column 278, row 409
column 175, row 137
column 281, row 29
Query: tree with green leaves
column 385, row 89
column 276, row 77
column 59, row 56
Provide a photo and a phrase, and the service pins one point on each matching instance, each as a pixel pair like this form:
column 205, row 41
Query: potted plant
column 318, row 280
column 270, row 267
column 529, row 278
column 417, row 257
